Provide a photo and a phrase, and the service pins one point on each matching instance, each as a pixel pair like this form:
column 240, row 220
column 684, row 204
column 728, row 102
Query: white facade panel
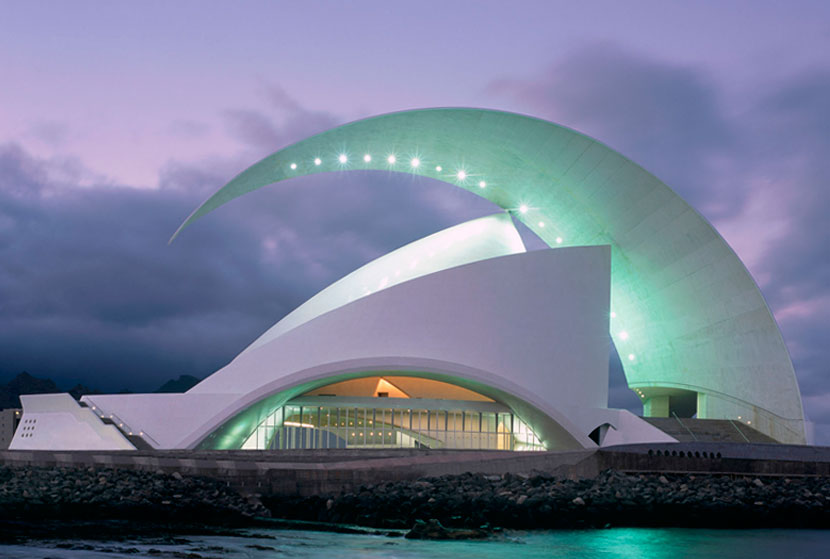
column 533, row 326
column 57, row 422
column 475, row 240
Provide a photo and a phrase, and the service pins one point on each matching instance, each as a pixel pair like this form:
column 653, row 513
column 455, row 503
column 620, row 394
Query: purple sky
column 116, row 122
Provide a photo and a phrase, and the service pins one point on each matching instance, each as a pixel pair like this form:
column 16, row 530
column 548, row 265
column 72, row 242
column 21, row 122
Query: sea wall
column 544, row 502
column 318, row 472
column 31, row 492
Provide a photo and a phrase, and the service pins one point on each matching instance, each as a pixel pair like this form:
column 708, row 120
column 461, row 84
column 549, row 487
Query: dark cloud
column 792, row 140
column 91, row 291
column 265, row 132
column 189, row 129
column 663, row 116
column 50, row 132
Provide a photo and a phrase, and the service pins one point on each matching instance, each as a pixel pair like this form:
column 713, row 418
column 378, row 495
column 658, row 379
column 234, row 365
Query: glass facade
column 298, row 426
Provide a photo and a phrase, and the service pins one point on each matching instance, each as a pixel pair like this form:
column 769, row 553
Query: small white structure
column 460, row 340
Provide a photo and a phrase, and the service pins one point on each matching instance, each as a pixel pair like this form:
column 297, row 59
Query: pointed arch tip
column 185, row 223
column 175, row 234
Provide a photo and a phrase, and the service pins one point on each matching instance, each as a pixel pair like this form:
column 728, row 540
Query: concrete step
column 709, row 430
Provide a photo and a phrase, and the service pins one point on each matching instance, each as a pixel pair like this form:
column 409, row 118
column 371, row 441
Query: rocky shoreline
column 473, row 501
column 38, row 502
column 68, row 503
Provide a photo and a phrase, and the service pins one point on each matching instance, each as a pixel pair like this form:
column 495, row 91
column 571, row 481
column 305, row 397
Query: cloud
column 665, row 117
column 52, row 133
column 91, row 291
column 189, row 129
column 287, row 121
column 787, row 141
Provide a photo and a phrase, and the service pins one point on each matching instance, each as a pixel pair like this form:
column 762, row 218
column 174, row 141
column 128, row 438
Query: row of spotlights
column 415, row 162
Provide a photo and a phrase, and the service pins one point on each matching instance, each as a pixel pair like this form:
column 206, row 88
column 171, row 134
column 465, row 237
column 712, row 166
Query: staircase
column 138, row 442
column 708, row 430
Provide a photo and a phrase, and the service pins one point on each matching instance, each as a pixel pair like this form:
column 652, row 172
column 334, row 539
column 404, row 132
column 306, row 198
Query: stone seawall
column 643, row 485
column 314, row 472
column 612, row 498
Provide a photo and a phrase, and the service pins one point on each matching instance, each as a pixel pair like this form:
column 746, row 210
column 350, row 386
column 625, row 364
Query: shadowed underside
column 686, row 315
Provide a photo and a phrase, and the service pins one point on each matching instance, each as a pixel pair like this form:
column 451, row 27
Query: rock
column 521, row 500
column 663, row 480
column 434, row 530
column 757, row 482
column 578, row 501
column 177, row 476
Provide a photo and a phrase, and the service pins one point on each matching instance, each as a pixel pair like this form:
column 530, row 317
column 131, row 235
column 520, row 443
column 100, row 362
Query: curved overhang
column 472, row 241
column 230, row 428
column 472, row 325
column 684, row 309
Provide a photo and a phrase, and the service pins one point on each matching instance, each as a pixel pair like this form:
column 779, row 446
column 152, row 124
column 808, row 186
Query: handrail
column 684, row 426
column 738, row 430
column 124, row 428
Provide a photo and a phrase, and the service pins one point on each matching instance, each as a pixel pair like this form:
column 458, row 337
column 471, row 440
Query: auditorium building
column 464, row 339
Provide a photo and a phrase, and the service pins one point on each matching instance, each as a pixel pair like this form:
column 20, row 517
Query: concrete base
column 313, row 472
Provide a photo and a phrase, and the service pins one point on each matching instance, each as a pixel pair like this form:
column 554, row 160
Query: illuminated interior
column 393, row 412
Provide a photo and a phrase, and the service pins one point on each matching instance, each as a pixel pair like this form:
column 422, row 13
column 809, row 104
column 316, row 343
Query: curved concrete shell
column 475, row 240
column 528, row 330
column 686, row 317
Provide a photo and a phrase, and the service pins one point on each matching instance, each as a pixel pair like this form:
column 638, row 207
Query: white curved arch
column 531, row 327
column 685, row 309
column 475, row 240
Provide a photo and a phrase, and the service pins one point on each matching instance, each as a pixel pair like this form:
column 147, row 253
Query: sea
column 623, row 543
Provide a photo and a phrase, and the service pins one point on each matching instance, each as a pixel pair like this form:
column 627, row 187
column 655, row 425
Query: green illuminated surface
column 233, row 433
column 686, row 314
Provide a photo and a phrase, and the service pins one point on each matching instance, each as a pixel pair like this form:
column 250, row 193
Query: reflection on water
column 622, row 543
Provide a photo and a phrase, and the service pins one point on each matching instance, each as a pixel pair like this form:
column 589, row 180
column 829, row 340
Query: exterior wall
column 657, row 406
column 529, row 330
column 686, row 312
column 57, row 422
column 9, row 418
column 479, row 239
column 162, row 420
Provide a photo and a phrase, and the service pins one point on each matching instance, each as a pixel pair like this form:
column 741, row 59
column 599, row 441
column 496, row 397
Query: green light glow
column 692, row 314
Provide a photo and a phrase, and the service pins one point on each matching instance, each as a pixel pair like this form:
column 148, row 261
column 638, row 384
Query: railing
column 684, row 426
column 738, row 430
column 123, row 427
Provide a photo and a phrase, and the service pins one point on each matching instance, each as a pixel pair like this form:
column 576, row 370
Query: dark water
column 670, row 543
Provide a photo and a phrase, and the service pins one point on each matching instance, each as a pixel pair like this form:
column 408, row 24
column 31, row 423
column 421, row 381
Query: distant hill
column 181, row 384
column 24, row 383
